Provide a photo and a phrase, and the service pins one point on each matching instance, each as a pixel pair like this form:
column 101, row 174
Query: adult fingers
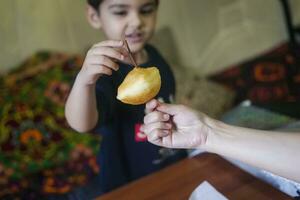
column 156, row 136
column 153, row 126
column 171, row 109
column 151, row 105
column 156, row 116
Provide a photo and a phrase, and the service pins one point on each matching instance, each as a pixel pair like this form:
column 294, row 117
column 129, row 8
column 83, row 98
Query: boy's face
column 134, row 19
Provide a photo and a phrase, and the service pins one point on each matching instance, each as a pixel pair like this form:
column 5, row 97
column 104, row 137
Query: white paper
column 206, row 191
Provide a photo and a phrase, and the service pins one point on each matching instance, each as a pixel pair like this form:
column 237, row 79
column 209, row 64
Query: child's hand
column 101, row 59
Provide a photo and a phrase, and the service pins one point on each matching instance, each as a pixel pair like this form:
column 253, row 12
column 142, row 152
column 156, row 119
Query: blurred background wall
column 206, row 35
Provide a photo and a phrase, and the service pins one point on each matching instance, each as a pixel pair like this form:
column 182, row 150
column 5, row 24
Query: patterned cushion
column 40, row 154
column 271, row 77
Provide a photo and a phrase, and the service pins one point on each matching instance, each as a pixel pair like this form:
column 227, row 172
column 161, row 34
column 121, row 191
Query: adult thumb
column 151, row 105
column 171, row 109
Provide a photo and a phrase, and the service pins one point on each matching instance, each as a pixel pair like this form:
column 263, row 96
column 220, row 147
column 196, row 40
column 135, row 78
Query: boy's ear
column 93, row 17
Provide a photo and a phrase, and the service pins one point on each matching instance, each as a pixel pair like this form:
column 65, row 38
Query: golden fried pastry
column 139, row 86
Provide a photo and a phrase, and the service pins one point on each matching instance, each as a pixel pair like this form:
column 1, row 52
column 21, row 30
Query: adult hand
column 175, row 126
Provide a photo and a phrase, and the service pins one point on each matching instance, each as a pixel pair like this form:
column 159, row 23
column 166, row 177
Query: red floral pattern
column 271, row 77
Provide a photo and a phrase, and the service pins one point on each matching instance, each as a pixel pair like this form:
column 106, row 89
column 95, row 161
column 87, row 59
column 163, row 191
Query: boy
column 125, row 154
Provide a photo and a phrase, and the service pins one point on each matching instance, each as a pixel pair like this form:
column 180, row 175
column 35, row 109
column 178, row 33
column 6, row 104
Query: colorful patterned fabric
column 40, row 154
column 271, row 77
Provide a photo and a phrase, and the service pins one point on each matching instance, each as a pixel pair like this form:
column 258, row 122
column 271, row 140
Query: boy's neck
column 141, row 57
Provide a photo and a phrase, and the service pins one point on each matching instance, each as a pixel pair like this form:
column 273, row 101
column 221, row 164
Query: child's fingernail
column 122, row 57
column 166, row 116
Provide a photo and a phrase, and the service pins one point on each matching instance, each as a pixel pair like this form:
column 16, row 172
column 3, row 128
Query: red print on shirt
column 138, row 135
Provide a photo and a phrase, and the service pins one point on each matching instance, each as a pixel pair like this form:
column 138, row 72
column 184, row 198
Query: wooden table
column 179, row 180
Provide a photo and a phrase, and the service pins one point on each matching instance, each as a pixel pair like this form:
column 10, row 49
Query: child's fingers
column 96, row 69
column 156, row 116
column 110, row 43
column 107, row 51
column 104, row 61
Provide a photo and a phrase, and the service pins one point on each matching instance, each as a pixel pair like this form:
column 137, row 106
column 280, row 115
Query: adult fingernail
column 166, row 132
column 168, row 125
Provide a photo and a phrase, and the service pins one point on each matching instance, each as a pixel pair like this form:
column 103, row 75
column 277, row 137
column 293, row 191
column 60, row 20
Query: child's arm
column 81, row 106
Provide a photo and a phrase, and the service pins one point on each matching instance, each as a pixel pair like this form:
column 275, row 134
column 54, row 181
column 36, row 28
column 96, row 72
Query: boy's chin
column 136, row 47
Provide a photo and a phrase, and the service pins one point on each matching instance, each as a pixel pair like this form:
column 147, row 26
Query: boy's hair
column 96, row 3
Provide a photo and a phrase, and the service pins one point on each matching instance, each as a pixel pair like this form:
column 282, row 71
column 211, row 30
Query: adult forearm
column 278, row 152
column 81, row 108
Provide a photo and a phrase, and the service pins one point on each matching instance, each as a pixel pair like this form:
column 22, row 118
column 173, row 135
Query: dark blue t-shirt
column 125, row 154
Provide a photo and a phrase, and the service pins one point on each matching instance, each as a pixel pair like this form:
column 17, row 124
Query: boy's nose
column 135, row 20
